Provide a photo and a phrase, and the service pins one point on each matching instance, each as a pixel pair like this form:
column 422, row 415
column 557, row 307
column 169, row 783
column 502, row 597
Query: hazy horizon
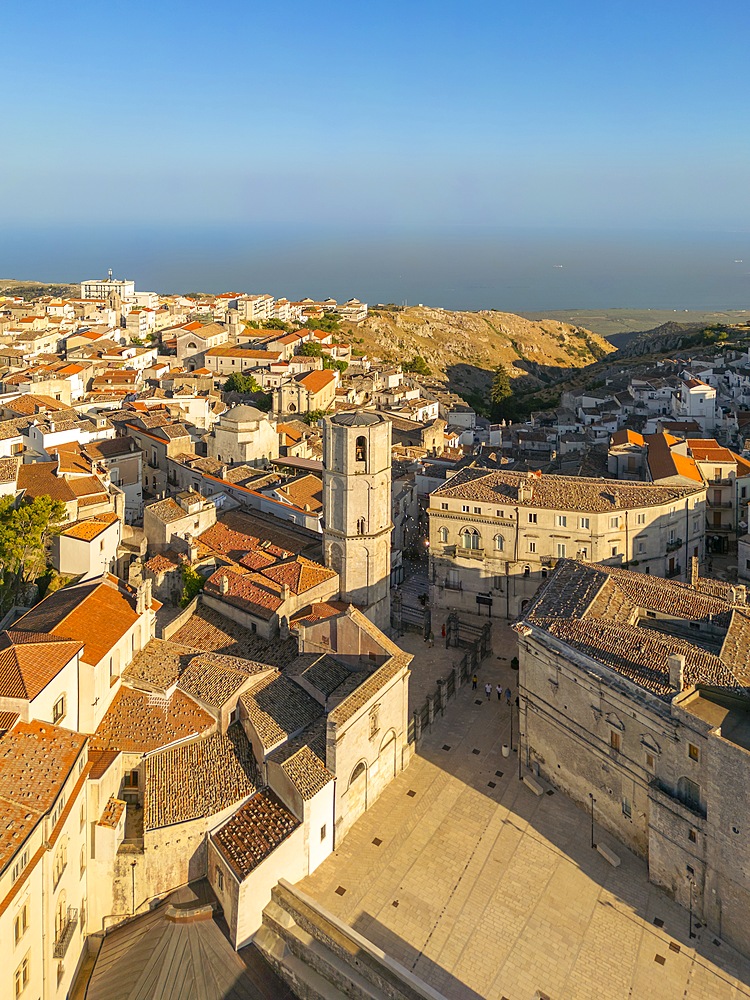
column 457, row 267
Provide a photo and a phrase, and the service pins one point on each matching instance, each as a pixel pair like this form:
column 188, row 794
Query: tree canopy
column 238, row 382
column 311, row 349
column 500, row 388
column 25, row 532
column 417, row 365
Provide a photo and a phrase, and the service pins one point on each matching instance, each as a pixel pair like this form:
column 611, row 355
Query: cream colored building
column 494, row 536
column 357, row 509
column 244, row 435
column 43, row 860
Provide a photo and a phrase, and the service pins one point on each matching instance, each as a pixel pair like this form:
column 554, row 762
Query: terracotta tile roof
column 254, row 832
column 603, row 612
column 250, row 592
column 100, row 761
column 318, row 612
column 305, row 493
column 304, row 766
column 664, row 462
column 38, row 479
column 8, row 720
column 317, row 380
column 9, row 469
column 112, row 813
column 160, row 564
column 97, row 614
column 35, row 761
column 559, row 492
column 220, row 538
column 299, row 574
column 277, row 709
column 30, row 663
column 137, row 722
column 626, row 436
column 208, row 630
column 222, row 772
column 321, row 670
column 214, row 679
column 166, row 510
column 70, row 460
column 91, row 528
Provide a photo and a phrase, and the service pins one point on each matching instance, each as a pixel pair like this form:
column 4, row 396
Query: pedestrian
column 499, row 690
column 430, row 641
column 474, row 683
column 488, row 690
column 443, row 632
column 507, row 696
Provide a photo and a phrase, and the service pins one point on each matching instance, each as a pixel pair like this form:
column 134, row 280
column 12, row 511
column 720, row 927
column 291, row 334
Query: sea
column 456, row 267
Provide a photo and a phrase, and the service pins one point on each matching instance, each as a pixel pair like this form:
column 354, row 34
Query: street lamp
column 593, row 802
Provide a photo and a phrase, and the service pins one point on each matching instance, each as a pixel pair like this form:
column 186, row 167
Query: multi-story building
column 494, row 536
column 102, row 288
column 254, row 308
column 633, row 699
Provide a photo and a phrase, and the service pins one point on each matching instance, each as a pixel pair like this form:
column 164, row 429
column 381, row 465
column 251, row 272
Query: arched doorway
column 356, row 796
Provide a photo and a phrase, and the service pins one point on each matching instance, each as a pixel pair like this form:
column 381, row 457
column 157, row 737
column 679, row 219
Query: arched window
column 358, row 771
column 470, row 538
column 443, row 535
column 192, row 346
column 527, row 570
column 360, row 449
column 360, row 526
column 499, row 543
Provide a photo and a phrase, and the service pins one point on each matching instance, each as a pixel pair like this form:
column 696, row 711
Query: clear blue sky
column 604, row 113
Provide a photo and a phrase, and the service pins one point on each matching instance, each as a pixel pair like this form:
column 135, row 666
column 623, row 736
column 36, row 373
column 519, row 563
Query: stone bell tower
column 357, row 509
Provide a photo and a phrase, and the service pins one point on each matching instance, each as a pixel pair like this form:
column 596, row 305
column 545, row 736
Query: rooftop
column 254, row 832
column 138, row 721
column 277, row 708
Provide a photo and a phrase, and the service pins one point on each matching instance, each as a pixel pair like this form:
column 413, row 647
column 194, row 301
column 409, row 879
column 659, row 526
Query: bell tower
column 357, row 509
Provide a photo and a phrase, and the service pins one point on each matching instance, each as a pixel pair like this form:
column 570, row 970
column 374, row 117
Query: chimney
column 224, row 584
column 140, row 598
column 741, row 593
column 285, row 592
column 676, row 671
column 147, row 596
column 694, row 571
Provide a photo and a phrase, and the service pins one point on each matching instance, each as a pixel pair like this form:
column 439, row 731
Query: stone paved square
column 495, row 892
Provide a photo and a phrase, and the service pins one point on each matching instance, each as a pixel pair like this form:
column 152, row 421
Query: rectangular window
column 444, row 506
column 693, row 751
column 131, row 778
column 497, row 582
column 477, row 510
column 650, row 761
column 82, row 818
column 626, row 807
column 58, row 710
column 692, row 836
column 585, row 523
column 465, row 508
column 614, row 551
column 640, row 518
column 323, row 832
column 641, row 546
column 501, row 513
column 532, row 546
column 219, row 878
column 532, row 518
column 21, row 923
column 561, row 550
column 614, row 739
column 584, row 552
column 22, row 976
column 21, row 863
column 614, row 522
column 561, row 521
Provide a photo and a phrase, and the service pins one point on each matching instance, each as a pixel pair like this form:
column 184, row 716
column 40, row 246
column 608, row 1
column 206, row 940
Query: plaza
column 485, row 890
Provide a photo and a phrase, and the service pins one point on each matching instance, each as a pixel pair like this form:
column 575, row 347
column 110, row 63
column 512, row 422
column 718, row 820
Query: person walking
column 488, row 690
column 499, row 690
column 474, row 683
column 507, row 696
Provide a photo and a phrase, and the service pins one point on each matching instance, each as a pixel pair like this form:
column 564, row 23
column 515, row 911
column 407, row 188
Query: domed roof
column 358, row 418
column 244, row 413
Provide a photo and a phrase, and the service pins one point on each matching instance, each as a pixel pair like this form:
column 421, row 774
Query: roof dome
column 358, row 418
column 244, row 414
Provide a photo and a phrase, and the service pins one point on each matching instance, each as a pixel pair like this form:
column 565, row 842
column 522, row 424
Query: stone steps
column 322, row 958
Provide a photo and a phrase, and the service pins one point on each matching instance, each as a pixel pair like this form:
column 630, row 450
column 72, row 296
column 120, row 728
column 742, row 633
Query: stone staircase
column 322, row 958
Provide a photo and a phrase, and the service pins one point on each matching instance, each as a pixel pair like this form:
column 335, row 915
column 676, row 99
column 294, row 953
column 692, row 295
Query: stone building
column 634, row 698
column 357, row 506
column 494, row 535
column 244, row 435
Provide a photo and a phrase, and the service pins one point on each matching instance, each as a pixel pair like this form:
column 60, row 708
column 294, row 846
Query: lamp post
column 511, row 727
column 593, row 802
column 132, row 869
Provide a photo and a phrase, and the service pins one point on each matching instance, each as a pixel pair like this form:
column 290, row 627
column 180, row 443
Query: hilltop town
column 239, row 536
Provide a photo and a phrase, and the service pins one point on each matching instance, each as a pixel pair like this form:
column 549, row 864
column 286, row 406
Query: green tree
column 274, row 324
column 311, row 349
column 418, row 365
column 500, row 389
column 192, row 585
column 237, row 382
column 334, row 364
column 25, row 532
column 313, row 416
column 330, row 323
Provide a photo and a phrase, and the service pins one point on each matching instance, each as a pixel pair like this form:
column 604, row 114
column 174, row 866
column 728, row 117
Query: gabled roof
column 29, row 661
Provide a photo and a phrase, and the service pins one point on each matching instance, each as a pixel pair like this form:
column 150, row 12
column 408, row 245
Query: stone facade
column 357, row 505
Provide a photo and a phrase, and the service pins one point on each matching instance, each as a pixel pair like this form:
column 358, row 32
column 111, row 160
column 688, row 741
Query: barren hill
column 465, row 347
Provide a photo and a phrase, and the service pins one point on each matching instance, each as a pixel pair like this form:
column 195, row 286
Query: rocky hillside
column 465, row 347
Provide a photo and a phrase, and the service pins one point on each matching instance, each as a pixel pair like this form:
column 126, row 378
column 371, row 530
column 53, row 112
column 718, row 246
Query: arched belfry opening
column 360, row 449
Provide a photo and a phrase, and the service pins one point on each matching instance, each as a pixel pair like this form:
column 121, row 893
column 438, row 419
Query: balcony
column 677, row 799
column 719, row 505
column 449, row 585
column 672, row 573
column 674, row 545
column 66, row 933
column 470, row 553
